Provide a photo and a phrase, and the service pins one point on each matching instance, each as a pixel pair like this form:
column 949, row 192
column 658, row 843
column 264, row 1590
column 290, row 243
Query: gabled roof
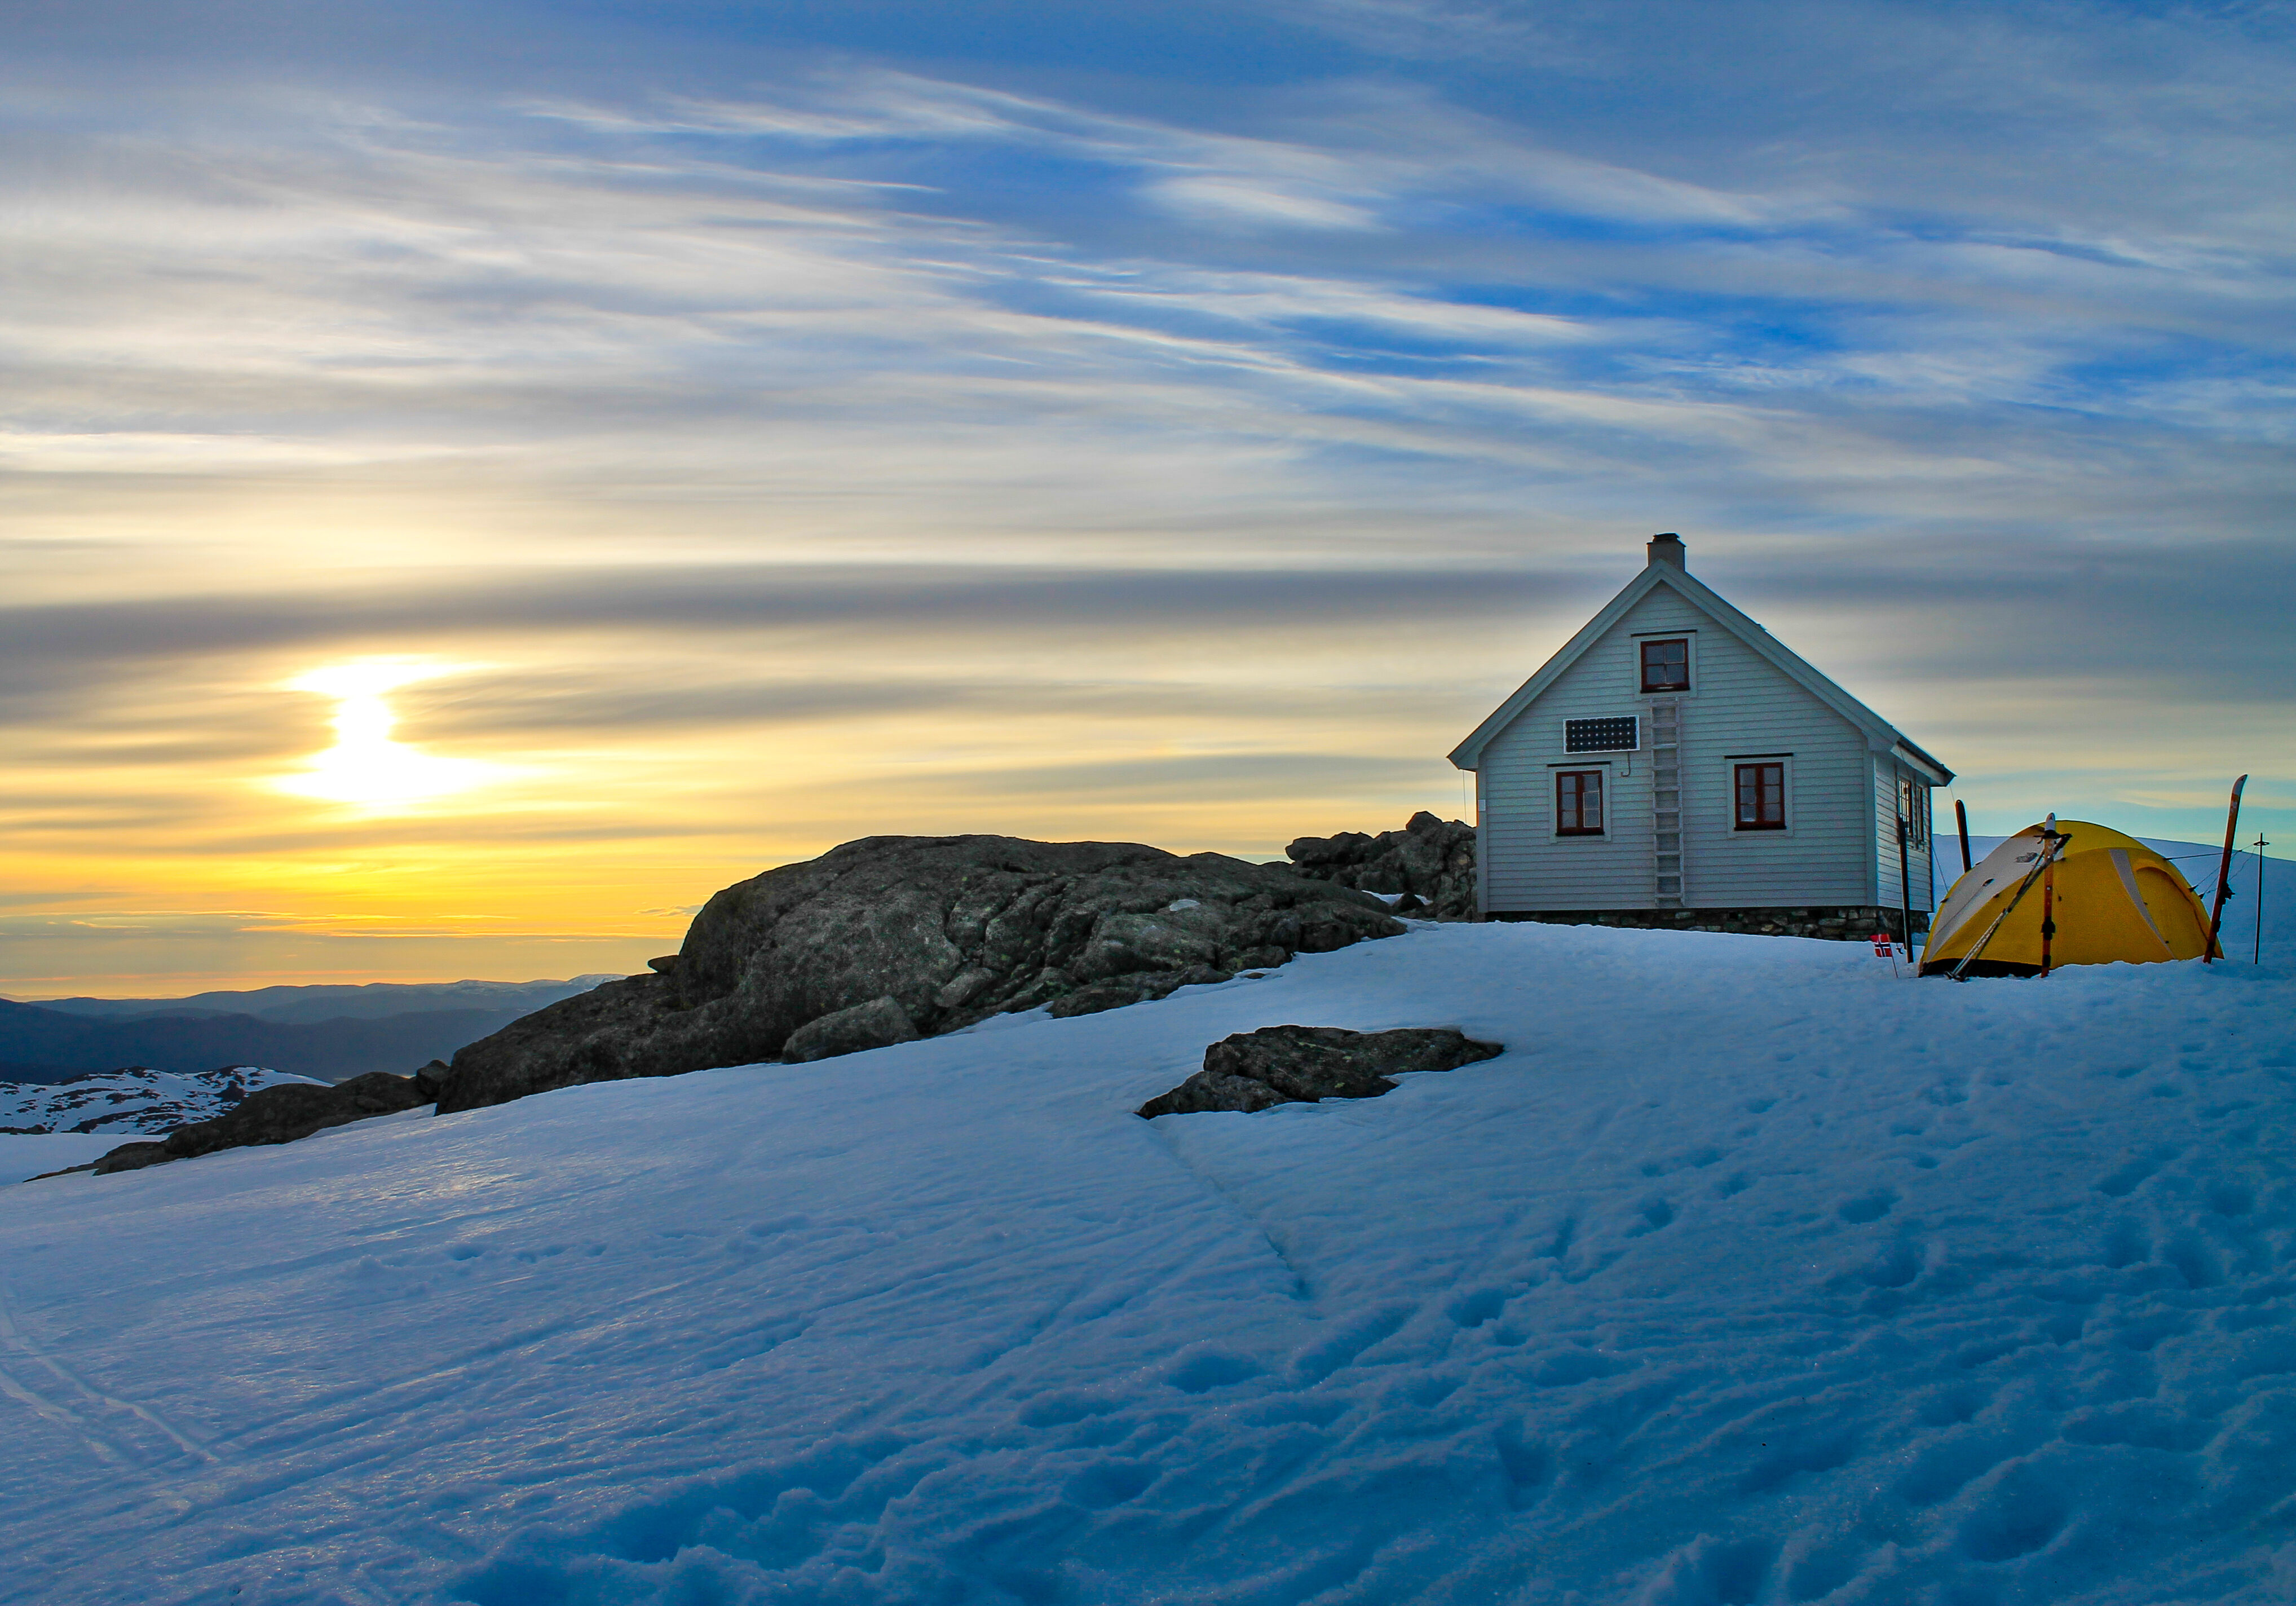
column 1881, row 735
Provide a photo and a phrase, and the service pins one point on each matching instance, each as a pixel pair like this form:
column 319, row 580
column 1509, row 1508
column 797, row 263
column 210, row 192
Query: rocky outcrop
column 1430, row 861
column 942, row 931
column 275, row 1115
column 1306, row 1064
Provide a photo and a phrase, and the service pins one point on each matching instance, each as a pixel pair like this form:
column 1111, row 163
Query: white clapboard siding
column 1887, row 774
column 1738, row 704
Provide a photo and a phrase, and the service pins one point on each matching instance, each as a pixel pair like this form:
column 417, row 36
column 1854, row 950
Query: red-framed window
column 1666, row 665
column 1761, row 797
column 1578, row 802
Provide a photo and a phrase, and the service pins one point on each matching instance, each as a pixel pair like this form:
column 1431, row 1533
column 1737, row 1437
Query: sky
column 475, row 479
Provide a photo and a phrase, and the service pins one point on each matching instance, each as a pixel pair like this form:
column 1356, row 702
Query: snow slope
column 23, row 1156
column 1750, row 1273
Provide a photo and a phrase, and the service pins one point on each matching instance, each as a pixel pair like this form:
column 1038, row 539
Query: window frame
column 1914, row 801
column 1601, row 828
column 1643, row 643
column 1783, row 765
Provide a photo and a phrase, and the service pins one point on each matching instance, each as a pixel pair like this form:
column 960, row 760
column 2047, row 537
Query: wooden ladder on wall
column 1666, row 805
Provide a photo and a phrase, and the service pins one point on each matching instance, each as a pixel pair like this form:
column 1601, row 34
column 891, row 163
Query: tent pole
column 2224, row 876
column 2258, row 958
column 1961, row 818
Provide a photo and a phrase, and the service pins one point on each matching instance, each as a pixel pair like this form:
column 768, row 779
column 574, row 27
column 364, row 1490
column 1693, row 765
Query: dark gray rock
column 275, row 1115
column 1138, row 988
column 1430, row 861
column 877, row 1024
column 1306, row 1064
column 953, row 929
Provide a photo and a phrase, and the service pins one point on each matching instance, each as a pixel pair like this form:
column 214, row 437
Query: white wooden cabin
column 1675, row 764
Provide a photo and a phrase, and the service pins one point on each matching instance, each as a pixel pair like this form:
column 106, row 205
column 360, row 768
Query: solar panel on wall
column 1622, row 734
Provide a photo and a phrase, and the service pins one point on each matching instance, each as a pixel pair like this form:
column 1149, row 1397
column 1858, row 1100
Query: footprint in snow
column 1895, row 1267
column 1528, row 1464
column 2126, row 1244
column 2020, row 1514
column 1474, row 1309
column 1869, row 1206
column 2229, row 1197
column 1564, row 1367
column 1210, row 1369
column 1109, row 1483
column 1817, row 1573
column 2192, row 1258
column 1713, row 1572
column 2125, row 1178
column 1655, row 1212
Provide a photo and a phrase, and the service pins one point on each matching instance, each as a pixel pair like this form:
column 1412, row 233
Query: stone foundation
column 1839, row 922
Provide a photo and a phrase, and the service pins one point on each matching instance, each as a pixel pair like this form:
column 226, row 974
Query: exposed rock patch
column 1137, row 987
column 1306, row 1064
column 879, row 1023
column 1430, row 861
column 946, row 931
column 275, row 1115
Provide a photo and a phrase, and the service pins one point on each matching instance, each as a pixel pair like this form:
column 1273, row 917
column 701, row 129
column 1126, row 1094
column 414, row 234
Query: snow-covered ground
column 23, row 1156
column 1750, row 1273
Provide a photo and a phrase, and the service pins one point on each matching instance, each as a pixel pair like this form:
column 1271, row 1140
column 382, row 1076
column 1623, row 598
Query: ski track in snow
column 1749, row 1274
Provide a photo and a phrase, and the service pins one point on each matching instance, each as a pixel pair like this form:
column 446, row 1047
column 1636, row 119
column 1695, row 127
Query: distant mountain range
column 327, row 1032
column 310, row 1005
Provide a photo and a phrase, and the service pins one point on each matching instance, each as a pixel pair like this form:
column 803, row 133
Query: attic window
column 1666, row 665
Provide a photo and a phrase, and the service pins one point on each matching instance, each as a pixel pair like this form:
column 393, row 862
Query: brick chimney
column 1668, row 549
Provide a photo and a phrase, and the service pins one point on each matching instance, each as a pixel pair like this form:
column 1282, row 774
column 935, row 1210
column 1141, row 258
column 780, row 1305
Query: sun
column 365, row 767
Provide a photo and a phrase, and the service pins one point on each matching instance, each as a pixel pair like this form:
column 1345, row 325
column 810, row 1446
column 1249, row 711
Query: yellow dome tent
column 2110, row 899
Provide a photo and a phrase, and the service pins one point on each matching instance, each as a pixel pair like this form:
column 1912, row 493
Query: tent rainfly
column 2112, row 899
